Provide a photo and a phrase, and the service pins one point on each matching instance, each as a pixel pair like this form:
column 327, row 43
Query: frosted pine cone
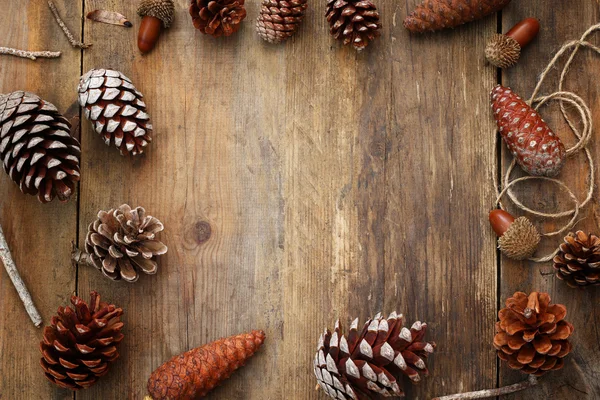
column 122, row 243
column 116, row 110
column 36, row 147
column 280, row 19
column 367, row 363
column 217, row 17
column 353, row 22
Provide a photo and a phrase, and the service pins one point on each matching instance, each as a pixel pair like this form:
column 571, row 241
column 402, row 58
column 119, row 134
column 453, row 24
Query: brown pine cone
column 578, row 260
column 81, row 343
column 532, row 333
column 280, row 19
column 193, row 374
column 36, row 147
column 367, row 363
column 121, row 243
column 433, row 15
column 217, row 17
column 353, row 22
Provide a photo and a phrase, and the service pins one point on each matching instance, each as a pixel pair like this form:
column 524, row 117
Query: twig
column 66, row 30
column 482, row 394
column 11, row 269
column 32, row 55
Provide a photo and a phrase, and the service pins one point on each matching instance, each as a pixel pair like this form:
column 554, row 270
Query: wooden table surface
column 336, row 184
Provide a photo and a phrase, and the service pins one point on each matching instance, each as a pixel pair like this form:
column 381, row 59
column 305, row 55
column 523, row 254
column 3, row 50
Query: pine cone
column 116, row 110
column 353, row 21
column 80, row 344
column 122, row 242
column 217, row 17
column 280, row 19
column 433, row 15
column 193, row 374
column 38, row 152
column 535, row 147
column 532, row 333
column 578, row 260
column 366, row 363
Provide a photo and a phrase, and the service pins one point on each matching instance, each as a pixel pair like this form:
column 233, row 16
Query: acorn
column 155, row 14
column 503, row 51
column 518, row 238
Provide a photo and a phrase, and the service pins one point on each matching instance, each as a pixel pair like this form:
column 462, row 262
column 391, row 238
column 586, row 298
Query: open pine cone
column 532, row 333
column 217, row 17
column 353, row 22
column 122, row 242
column 367, row 363
column 81, row 343
column 578, row 260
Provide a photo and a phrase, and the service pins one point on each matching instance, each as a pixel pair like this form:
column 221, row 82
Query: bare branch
column 482, row 394
column 66, row 30
column 32, row 55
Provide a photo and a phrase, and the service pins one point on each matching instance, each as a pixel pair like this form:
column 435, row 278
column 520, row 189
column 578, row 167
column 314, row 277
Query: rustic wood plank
column 561, row 22
column 39, row 234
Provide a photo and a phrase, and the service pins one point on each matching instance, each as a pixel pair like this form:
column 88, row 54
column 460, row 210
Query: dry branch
column 32, row 55
column 66, row 30
column 483, row 394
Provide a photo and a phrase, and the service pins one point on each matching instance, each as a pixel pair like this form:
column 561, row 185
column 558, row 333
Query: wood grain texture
column 298, row 184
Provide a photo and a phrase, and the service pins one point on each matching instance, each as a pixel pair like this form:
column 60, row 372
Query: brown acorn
column 518, row 238
column 155, row 14
column 503, row 51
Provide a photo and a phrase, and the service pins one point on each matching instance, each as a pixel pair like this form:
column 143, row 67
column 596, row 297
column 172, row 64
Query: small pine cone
column 353, row 22
column 434, row 15
column 532, row 333
column 502, row 51
column 121, row 243
column 36, row 147
column 578, row 260
column 80, row 344
column 280, row 19
column 161, row 9
column 533, row 144
column 217, row 17
column 193, row 374
column 116, row 110
column 367, row 363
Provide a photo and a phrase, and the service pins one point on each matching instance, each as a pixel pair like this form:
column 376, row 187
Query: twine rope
column 582, row 135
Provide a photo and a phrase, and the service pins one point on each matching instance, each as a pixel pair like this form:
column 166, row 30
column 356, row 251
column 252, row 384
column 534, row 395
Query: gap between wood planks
column 498, row 179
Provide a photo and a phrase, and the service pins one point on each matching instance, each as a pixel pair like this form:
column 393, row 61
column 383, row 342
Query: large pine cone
column 433, row 15
column 353, row 22
column 122, row 242
column 36, row 147
column 532, row 333
column 116, row 110
column 367, row 363
column 578, row 260
column 80, row 344
column 217, row 17
column 280, row 19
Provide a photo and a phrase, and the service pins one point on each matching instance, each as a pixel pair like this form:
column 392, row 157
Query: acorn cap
column 502, row 51
column 520, row 241
column 161, row 9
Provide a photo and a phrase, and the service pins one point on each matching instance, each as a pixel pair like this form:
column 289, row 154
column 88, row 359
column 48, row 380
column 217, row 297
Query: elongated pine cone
column 217, row 17
column 366, row 364
column 161, row 9
column 36, row 147
column 535, row 147
column 434, row 15
column 532, row 333
column 280, row 19
column 193, row 374
column 578, row 260
column 116, row 110
column 122, row 242
column 353, row 22
column 81, row 343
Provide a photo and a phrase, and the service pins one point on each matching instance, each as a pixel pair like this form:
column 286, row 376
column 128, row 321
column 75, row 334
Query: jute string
column 582, row 134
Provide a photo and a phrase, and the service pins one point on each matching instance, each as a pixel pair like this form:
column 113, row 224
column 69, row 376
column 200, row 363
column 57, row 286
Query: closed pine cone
column 532, row 333
column 217, row 17
column 367, row 363
column 280, row 19
column 36, row 147
column 122, row 242
column 578, row 260
column 353, row 22
column 80, row 344
column 116, row 110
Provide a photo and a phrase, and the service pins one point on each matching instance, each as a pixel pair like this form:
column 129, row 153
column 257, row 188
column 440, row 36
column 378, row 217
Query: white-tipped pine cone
column 116, row 110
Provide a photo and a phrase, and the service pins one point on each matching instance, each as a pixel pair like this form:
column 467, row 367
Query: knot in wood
column 202, row 231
